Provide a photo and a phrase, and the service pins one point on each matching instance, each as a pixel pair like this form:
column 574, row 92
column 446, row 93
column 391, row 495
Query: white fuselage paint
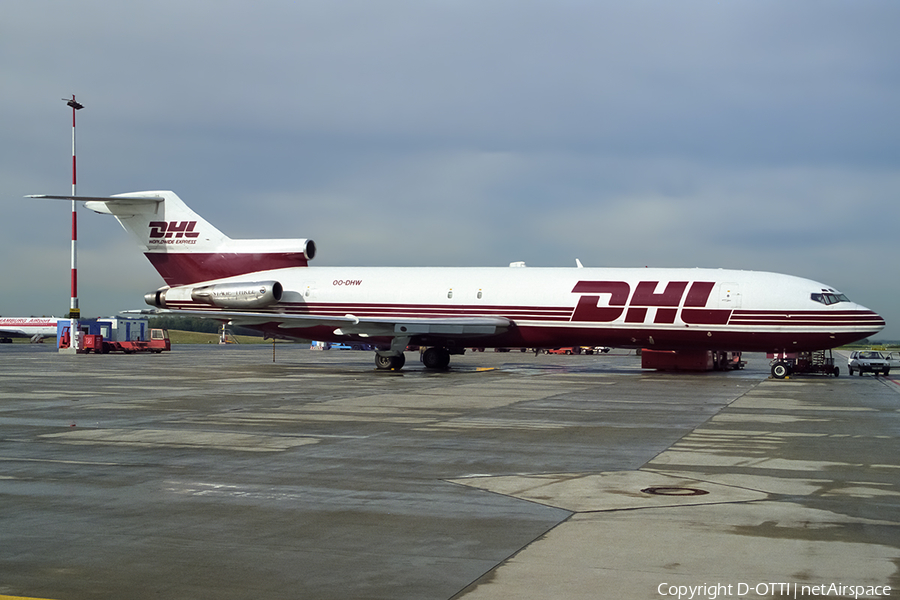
column 740, row 310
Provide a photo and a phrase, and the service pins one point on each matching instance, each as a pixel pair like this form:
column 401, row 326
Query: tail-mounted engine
column 239, row 295
column 256, row 294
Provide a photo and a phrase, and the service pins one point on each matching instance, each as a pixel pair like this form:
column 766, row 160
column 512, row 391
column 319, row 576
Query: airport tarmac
column 212, row 472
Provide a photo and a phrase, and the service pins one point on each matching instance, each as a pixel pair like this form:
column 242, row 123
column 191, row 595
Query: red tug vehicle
column 102, row 336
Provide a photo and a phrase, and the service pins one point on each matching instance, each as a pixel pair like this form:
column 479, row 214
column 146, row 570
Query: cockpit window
column 829, row 298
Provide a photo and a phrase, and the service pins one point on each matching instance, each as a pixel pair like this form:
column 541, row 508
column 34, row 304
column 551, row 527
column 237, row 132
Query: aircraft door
column 729, row 295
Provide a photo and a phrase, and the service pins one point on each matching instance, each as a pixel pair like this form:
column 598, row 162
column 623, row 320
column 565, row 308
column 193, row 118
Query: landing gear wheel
column 436, row 358
column 390, row 362
column 780, row 370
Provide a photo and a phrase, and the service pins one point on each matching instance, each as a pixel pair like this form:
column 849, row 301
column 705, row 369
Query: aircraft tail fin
column 184, row 247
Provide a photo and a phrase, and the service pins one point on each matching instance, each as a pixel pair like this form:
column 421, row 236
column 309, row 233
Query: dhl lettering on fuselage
column 173, row 232
column 634, row 305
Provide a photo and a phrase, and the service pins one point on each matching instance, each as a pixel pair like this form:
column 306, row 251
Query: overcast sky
column 738, row 134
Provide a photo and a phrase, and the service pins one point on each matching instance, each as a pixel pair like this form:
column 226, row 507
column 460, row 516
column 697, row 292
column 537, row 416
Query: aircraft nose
column 866, row 317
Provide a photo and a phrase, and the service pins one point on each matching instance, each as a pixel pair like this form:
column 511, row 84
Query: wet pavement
column 212, row 472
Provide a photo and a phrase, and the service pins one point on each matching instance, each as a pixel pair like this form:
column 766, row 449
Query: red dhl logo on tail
column 645, row 296
column 173, row 229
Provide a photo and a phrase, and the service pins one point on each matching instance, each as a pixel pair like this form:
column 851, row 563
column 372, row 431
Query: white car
column 893, row 359
column 868, row 361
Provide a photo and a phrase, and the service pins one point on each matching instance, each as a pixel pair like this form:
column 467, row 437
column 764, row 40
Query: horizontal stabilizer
column 108, row 199
column 113, row 205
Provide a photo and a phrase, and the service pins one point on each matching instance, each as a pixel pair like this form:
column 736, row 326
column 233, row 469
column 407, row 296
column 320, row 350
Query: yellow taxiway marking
column 20, row 598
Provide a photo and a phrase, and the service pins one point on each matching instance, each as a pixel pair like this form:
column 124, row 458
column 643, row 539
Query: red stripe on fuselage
column 539, row 327
column 529, row 313
column 815, row 322
column 434, row 310
column 806, row 318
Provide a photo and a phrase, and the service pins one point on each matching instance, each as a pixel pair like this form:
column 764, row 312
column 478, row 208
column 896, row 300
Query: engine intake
column 239, row 295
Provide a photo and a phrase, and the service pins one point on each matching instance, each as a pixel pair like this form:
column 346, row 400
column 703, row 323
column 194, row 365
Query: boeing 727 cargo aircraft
column 267, row 285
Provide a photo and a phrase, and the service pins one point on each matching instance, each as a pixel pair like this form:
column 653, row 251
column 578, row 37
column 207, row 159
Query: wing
column 363, row 326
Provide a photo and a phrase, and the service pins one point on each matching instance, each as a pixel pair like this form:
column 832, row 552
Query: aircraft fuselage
column 671, row 309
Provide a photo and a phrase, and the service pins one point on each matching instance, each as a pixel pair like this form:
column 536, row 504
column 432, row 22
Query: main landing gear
column 435, row 358
column 390, row 363
column 392, row 359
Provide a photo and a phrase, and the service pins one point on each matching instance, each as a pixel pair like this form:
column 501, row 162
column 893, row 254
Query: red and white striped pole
column 74, row 311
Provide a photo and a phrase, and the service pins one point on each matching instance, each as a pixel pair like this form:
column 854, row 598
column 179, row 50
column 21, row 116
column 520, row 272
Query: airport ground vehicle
column 893, row 359
column 158, row 342
column 578, row 350
column 821, row 362
column 102, row 336
column 868, row 361
column 569, row 350
column 339, row 346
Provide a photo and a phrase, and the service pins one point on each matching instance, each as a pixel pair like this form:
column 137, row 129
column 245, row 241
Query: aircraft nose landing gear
column 780, row 370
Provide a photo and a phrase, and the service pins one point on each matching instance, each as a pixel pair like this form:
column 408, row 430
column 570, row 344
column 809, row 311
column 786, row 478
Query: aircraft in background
column 267, row 285
column 36, row 328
